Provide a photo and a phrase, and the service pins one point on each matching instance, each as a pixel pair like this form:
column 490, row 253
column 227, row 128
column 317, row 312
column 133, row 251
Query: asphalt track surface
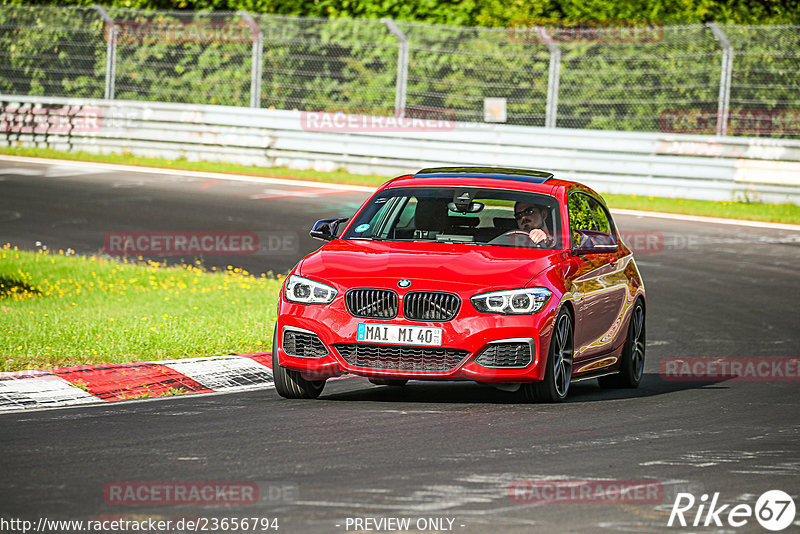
column 426, row 451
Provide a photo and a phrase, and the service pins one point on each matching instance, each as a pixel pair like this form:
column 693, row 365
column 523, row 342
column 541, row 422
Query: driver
column 530, row 219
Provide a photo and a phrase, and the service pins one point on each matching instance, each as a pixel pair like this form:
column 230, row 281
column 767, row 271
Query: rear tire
column 394, row 383
column 632, row 367
column 290, row 384
column 558, row 373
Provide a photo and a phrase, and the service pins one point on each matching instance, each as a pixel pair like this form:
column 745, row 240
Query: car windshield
column 492, row 217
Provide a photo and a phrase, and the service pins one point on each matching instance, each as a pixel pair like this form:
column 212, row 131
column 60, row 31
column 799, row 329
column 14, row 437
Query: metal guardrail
column 671, row 165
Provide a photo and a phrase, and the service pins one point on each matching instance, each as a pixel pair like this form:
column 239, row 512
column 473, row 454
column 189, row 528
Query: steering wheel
column 517, row 237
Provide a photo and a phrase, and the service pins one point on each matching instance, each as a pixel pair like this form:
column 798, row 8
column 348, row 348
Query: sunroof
column 520, row 175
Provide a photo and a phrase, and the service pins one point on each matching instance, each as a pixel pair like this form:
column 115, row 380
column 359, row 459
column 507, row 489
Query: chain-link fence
column 457, row 68
column 639, row 84
column 641, row 77
column 328, row 64
column 51, row 51
column 183, row 57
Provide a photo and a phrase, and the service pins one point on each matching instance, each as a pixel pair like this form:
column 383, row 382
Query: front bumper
column 470, row 331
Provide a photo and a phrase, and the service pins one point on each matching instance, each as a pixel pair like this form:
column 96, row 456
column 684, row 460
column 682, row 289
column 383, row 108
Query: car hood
column 362, row 263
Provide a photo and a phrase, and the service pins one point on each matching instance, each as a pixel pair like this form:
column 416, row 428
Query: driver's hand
column 537, row 235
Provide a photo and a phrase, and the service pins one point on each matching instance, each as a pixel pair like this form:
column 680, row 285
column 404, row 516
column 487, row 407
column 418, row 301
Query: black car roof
column 502, row 173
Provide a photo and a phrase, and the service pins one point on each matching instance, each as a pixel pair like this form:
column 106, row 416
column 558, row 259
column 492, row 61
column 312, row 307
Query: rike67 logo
column 774, row 510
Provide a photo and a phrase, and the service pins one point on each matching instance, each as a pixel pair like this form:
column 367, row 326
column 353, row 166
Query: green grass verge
column 61, row 310
column 756, row 211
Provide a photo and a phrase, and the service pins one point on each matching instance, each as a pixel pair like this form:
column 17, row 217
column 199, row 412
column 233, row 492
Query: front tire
column 558, row 373
column 290, row 384
column 632, row 367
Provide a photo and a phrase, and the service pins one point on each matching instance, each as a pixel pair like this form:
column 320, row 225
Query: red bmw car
column 503, row 276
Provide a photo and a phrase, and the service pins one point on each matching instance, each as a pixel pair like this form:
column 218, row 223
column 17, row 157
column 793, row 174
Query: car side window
column 580, row 216
column 586, row 213
column 376, row 226
column 406, row 218
column 600, row 215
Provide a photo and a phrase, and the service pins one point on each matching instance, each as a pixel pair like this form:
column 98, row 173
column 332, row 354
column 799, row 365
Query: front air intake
column 401, row 358
column 302, row 344
column 506, row 354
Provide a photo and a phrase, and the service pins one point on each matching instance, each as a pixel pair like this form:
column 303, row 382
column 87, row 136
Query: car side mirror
column 326, row 229
column 593, row 242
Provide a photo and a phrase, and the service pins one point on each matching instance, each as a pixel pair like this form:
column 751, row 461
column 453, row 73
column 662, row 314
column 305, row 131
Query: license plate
column 399, row 335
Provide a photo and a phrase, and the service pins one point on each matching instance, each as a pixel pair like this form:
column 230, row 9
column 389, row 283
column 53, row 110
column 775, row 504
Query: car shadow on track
column 470, row 392
column 652, row 385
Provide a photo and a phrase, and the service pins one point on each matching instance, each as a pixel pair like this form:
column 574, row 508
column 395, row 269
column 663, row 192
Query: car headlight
column 305, row 291
column 512, row 301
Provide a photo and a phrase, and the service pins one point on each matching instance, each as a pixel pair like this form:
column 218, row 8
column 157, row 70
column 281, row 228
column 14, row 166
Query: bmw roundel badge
column 404, row 283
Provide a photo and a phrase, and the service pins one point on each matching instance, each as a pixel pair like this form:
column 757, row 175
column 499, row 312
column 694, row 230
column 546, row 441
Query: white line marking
column 268, row 194
column 113, row 167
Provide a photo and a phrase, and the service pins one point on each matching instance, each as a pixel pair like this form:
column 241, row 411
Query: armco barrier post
column 257, row 59
column 402, row 66
column 111, row 50
column 553, row 76
column 724, row 79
